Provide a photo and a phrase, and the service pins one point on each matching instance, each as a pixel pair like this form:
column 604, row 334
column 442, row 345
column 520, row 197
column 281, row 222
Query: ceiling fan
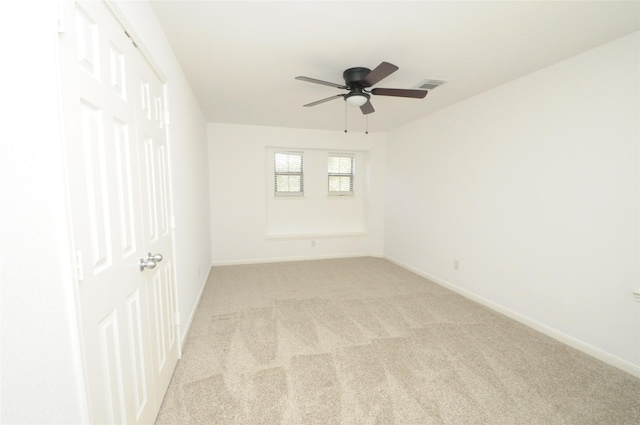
column 358, row 80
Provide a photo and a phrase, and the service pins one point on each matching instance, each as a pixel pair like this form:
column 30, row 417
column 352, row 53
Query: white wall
column 41, row 376
column 240, row 206
column 188, row 159
column 316, row 213
column 533, row 187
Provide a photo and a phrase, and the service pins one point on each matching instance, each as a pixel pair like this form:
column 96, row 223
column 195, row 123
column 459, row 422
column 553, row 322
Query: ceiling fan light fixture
column 356, row 99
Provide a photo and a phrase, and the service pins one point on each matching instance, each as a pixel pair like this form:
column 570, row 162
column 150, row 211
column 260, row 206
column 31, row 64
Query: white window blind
column 340, row 170
column 288, row 173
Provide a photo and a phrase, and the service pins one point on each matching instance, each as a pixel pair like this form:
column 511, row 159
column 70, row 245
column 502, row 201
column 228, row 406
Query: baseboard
column 183, row 338
column 525, row 320
column 287, row 259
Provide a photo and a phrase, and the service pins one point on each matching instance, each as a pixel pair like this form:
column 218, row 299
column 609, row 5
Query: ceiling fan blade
column 324, row 83
column 417, row 94
column 367, row 108
column 381, row 71
column 317, row 102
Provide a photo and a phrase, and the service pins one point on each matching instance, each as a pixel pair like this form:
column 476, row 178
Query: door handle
column 157, row 258
column 146, row 264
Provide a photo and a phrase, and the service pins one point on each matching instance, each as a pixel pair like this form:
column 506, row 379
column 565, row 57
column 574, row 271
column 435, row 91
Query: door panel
column 125, row 186
column 97, row 189
column 119, row 199
column 139, row 365
column 156, row 208
column 112, row 368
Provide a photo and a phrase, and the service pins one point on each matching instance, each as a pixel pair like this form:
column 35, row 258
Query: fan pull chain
column 367, row 128
column 345, row 117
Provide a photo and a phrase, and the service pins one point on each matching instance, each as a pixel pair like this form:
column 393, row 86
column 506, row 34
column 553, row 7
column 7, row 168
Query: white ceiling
column 241, row 57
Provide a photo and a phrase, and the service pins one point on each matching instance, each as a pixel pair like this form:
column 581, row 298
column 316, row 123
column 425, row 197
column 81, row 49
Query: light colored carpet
column 363, row 341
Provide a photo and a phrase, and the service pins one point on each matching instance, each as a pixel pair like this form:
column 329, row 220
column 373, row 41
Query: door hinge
column 131, row 39
column 176, row 319
column 79, row 267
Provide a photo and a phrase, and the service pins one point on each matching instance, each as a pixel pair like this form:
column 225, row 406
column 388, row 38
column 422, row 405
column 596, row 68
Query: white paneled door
column 117, row 162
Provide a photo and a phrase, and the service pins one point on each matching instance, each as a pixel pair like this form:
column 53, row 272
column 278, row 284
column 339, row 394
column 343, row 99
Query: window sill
column 316, row 235
column 288, row 196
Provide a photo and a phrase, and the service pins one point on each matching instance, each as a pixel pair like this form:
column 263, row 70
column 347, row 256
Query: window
column 340, row 173
column 288, row 175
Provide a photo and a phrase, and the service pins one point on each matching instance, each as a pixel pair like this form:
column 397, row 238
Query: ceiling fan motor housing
column 353, row 77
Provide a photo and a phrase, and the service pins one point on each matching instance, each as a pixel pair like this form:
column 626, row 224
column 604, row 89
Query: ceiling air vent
column 431, row 84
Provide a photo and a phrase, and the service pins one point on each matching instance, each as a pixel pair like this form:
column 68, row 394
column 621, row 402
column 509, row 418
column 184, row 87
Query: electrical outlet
column 198, row 271
column 456, row 264
column 313, row 244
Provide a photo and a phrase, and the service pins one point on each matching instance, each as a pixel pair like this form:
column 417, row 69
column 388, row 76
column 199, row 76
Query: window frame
column 277, row 173
column 351, row 174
